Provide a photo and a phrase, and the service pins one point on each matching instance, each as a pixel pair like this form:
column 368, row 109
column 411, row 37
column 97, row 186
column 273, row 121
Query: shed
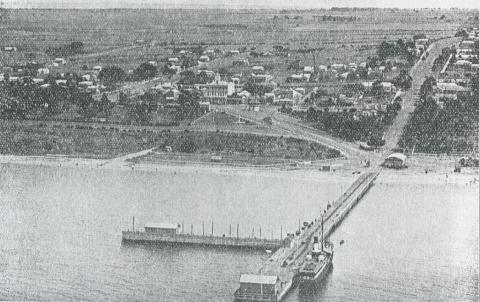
column 259, row 284
column 161, row 228
column 396, row 161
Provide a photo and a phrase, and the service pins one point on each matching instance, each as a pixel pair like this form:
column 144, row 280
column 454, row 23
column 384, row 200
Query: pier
column 202, row 240
column 286, row 261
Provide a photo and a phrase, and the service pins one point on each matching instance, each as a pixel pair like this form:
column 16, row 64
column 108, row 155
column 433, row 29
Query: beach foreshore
column 415, row 175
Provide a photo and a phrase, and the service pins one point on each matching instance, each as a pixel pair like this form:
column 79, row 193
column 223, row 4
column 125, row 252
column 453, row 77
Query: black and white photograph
column 241, row 151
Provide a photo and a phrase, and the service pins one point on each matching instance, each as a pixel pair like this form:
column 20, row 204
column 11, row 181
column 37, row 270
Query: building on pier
column 258, row 288
column 395, row 161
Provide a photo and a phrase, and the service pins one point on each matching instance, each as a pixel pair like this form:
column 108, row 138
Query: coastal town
column 347, row 95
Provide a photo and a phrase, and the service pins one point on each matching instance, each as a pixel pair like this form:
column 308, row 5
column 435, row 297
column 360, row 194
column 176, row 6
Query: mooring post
column 191, row 229
column 133, row 224
column 182, row 227
column 237, row 229
column 212, row 227
column 281, row 232
column 260, row 232
column 253, row 232
column 203, row 228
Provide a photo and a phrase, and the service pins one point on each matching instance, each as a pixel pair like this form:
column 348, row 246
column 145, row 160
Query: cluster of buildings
column 456, row 79
column 46, row 74
column 350, row 71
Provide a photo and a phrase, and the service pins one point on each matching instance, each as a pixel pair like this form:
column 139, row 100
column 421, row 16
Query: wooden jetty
column 284, row 264
column 163, row 233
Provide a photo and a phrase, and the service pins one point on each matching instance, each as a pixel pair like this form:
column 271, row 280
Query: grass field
column 102, row 31
column 83, row 141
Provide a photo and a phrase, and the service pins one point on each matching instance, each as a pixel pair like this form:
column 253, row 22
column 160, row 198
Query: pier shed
column 161, row 228
column 261, row 287
column 396, row 161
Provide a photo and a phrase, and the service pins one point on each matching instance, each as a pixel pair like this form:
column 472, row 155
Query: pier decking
column 187, row 239
column 286, row 261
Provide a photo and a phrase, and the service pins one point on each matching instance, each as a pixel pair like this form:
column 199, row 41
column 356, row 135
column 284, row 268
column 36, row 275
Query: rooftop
column 400, row 156
column 259, row 279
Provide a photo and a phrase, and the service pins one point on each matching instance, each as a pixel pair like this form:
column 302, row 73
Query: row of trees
column 26, row 100
column 349, row 125
column 400, row 47
column 66, row 50
column 452, row 127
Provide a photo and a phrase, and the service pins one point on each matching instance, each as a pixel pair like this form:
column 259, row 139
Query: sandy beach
column 415, row 175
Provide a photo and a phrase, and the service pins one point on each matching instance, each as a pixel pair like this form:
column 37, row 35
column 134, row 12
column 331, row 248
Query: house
column 175, row 68
column 167, row 229
column 261, row 78
column 352, row 66
column 322, row 68
column 287, row 97
column 308, row 70
column 204, row 59
column 10, row 48
column 204, row 106
column 421, row 42
column 97, row 68
column 258, row 69
column 86, row 77
column 234, row 52
column 449, row 90
column 172, row 95
column 209, row 52
column 241, row 62
column 217, row 91
column 43, row 71
column 60, row 61
column 395, row 161
column 337, row 66
column 153, row 63
column 61, row 82
column 388, row 87
column 296, row 78
column 173, row 60
column 85, row 84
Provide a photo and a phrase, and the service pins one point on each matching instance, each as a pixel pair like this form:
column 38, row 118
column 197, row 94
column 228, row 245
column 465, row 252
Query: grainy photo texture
column 214, row 150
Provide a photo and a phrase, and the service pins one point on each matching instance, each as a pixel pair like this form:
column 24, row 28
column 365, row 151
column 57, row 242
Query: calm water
column 61, row 235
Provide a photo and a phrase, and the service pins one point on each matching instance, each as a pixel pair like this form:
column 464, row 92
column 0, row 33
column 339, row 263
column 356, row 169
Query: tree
column 145, row 71
column 257, row 89
column 112, row 74
column 105, row 106
column 138, row 113
column 189, row 104
column 385, row 50
column 403, row 80
column 377, row 88
column 189, row 145
column 189, row 62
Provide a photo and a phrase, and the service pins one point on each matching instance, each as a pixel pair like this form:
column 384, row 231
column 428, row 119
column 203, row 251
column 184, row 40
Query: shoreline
column 386, row 177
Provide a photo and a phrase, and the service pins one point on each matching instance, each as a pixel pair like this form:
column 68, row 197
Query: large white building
column 218, row 91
